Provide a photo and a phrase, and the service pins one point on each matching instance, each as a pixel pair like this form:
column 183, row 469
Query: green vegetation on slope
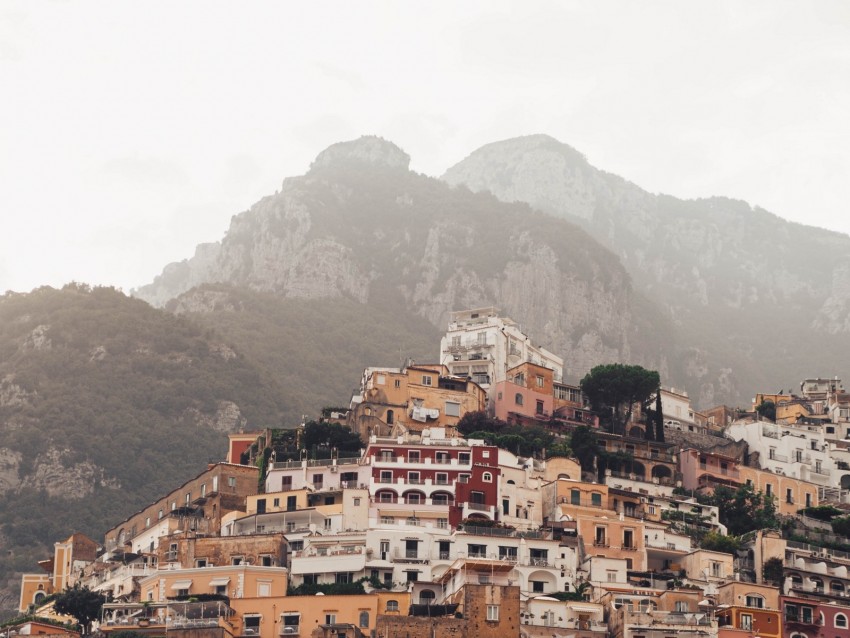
column 104, row 387
column 316, row 348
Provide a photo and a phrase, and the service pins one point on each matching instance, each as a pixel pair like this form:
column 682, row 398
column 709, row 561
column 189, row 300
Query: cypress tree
column 659, row 418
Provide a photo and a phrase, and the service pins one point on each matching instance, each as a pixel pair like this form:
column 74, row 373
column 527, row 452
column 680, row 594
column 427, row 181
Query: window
column 539, row 408
column 413, row 456
column 452, row 408
column 237, row 560
column 601, row 538
column 318, row 480
column 463, row 478
column 291, row 622
column 343, row 578
column 252, row 623
column 754, row 600
column 487, row 477
column 413, row 478
column 628, row 539
column 390, row 417
column 477, row 551
column 291, row 503
column 426, row 379
column 231, row 481
column 537, row 586
column 442, row 478
column 200, row 562
column 311, row 579
column 611, row 575
column 682, row 606
column 286, row 483
column 768, row 489
column 518, row 398
column 575, row 497
column 397, row 383
column 364, row 619
column 330, row 619
column 159, row 515
column 596, row 499
column 492, row 613
column 840, row 621
column 392, row 605
column 539, row 381
column 789, row 495
column 463, row 458
column 717, row 569
column 746, row 621
column 507, row 553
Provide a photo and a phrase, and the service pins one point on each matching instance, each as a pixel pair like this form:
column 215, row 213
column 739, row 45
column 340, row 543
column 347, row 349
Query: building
column 395, row 401
column 474, row 611
column 481, row 345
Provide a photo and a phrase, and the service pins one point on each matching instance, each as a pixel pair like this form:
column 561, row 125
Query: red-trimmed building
column 814, row 617
column 462, row 476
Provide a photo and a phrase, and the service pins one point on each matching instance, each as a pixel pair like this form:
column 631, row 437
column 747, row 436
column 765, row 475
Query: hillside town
column 721, row 523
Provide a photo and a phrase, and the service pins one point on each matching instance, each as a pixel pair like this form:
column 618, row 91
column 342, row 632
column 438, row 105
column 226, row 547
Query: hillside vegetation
column 105, row 404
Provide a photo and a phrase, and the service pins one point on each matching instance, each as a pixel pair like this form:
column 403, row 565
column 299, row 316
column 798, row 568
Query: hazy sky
column 132, row 131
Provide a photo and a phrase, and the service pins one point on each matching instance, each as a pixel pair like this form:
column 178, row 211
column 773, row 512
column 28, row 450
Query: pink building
column 527, row 391
column 707, row 470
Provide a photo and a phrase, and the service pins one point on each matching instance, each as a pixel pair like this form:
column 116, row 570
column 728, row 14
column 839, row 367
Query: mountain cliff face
column 759, row 302
column 360, row 226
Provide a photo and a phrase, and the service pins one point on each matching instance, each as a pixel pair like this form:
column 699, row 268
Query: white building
column 482, row 345
column 795, row 451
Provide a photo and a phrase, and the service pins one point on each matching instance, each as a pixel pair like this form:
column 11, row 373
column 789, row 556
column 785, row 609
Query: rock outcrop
column 361, row 226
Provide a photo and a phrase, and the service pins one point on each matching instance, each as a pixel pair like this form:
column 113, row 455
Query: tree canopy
column 81, row 603
column 744, row 509
column 617, row 387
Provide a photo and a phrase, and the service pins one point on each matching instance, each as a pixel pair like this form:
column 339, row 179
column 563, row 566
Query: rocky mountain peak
column 370, row 150
column 537, row 169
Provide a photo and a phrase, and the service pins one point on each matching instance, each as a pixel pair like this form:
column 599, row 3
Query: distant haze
column 132, row 132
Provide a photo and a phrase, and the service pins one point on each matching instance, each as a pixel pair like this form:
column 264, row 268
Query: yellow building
column 69, row 558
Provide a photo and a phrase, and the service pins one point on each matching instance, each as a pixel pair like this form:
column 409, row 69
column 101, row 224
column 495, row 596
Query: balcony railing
column 290, row 630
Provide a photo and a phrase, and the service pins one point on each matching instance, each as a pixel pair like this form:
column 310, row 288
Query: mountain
column 105, row 404
column 361, row 227
column 758, row 302
column 315, row 349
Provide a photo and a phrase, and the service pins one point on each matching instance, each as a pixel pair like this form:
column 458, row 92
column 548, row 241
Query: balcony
column 290, row 630
column 478, row 507
column 803, row 619
column 409, row 556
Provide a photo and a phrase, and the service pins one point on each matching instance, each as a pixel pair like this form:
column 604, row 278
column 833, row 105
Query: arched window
column 836, row 586
column 390, row 419
column 364, row 619
column 39, row 596
column 427, row 597
column 840, row 621
column 487, row 477
column 392, row 605
column 518, row 399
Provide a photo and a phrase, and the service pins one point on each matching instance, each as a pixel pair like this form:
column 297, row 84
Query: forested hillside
column 106, row 403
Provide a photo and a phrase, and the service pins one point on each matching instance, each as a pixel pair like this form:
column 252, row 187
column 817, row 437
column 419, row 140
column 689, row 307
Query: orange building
column 393, row 400
column 747, row 610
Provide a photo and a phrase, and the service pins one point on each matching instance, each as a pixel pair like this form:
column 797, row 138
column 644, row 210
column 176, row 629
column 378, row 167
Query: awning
column 219, row 582
column 182, row 584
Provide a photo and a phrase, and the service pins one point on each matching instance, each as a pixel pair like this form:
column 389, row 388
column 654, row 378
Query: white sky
column 132, row 131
